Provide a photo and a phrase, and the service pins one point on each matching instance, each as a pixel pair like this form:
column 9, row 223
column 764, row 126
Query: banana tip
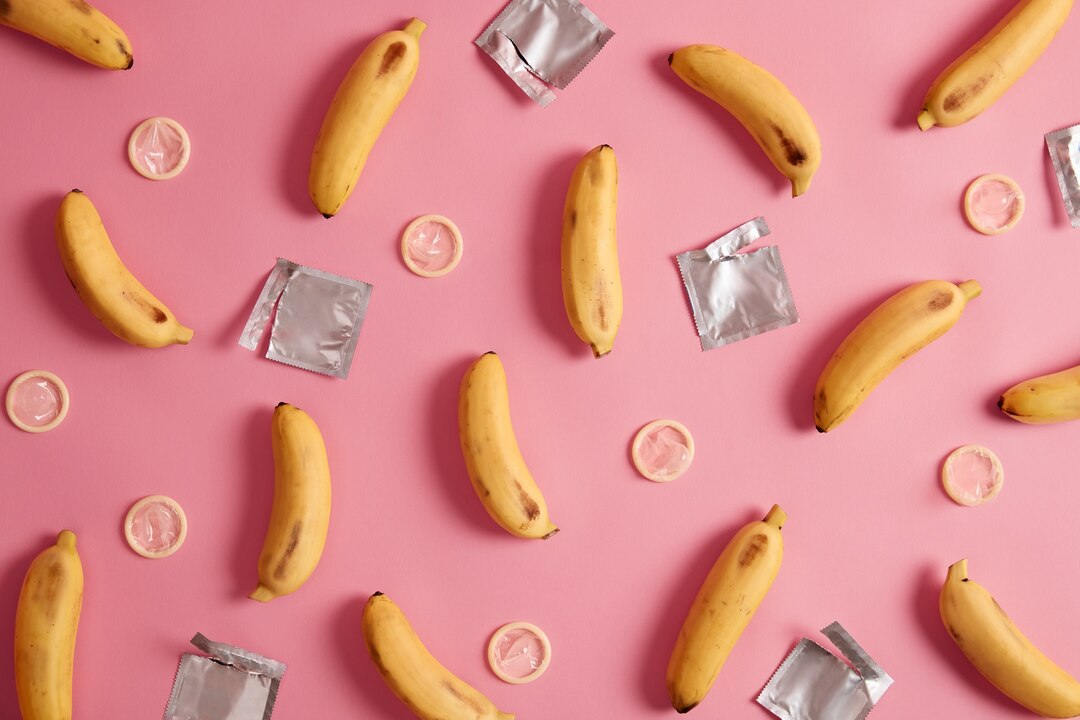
column 66, row 538
column 549, row 534
column 925, row 120
column 670, row 58
column 130, row 63
column 280, row 404
column 262, row 594
column 184, row 335
column 328, row 215
column 377, row 593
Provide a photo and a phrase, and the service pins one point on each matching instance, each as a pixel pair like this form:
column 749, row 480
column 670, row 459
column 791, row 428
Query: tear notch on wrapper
column 540, row 43
column 317, row 322
column 1064, row 147
column 812, row 683
column 231, row 684
column 736, row 296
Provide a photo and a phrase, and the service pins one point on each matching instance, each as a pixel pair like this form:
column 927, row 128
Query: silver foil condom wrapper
column 230, row 684
column 544, row 43
column 736, row 295
column 1064, row 147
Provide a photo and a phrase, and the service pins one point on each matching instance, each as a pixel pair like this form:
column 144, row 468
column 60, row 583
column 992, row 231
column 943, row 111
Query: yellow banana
column 106, row 287
column 492, row 457
column 765, row 107
column 897, row 329
column 418, row 680
column 981, row 75
column 366, row 99
column 300, row 515
column 1046, row 399
column 592, row 290
column 71, row 25
column 998, row 650
column 736, row 585
column 46, row 622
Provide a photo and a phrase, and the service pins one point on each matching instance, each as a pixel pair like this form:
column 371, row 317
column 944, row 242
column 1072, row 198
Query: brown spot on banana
column 470, row 701
column 294, row 540
column 125, row 51
column 392, row 58
column 792, row 152
column 940, row 301
column 530, row 506
column 5, row 7
column 750, row 553
column 82, row 6
column 957, row 99
column 152, row 311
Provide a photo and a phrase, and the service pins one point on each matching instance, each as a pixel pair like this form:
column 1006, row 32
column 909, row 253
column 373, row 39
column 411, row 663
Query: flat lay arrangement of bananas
column 50, row 601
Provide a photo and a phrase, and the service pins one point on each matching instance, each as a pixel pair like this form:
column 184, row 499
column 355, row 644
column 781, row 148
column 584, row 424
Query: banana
column 724, row 605
column 763, row 104
column 592, row 290
column 1046, row 399
column 410, row 671
column 106, row 287
column 46, row 622
column 998, row 650
column 498, row 473
column 981, row 75
column 300, row 515
column 71, row 25
column 364, row 103
column 897, row 329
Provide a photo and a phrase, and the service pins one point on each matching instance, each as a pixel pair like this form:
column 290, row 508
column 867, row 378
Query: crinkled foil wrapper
column 1064, row 147
column 737, row 295
column 318, row 318
column 544, row 43
column 230, row 684
column 814, row 684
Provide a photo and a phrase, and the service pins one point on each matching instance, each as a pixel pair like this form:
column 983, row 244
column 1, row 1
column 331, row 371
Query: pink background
column 870, row 531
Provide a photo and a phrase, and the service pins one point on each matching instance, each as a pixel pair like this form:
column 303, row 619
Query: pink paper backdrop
column 870, row 531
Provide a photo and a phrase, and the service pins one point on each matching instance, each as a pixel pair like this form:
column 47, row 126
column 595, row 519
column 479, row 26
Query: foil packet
column 814, row 684
column 230, row 684
column 737, row 295
column 1064, row 147
column 544, row 43
column 317, row 320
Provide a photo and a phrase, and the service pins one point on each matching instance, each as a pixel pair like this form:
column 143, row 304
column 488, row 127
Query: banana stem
column 971, row 289
column 263, row 594
column 183, row 335
column 66, row 539
column 957, row 571
column 776, row 517
column 925, row 120
column 415, row 27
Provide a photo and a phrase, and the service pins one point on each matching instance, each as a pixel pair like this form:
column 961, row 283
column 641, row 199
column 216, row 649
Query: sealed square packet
column 230, row 684
column 736, row 296
column 318, row 318
column 1064, row 147
column 812, row 683
column 540, row 43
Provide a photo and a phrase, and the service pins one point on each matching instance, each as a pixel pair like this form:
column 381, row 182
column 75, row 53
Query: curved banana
column 897, row 329
column 733, row 589
column 492, row 457
column 765, row 107
column 592, row 290
column 998, row 650
column 46, row 622
column 410, row 671
column 300, row 515
column 981, row 75
column 366, row 99
column 106, row 287
column 1046, row 399
column 71, row 25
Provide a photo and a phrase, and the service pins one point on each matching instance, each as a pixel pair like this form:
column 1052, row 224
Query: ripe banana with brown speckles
column 71, row 25
column 492, row 457
column 1046, row 399
column 366, row 99
column 592, row 290
column 300, row 515
column 998, row 650
column 728, row 599
column 975, row 80
column 764, row 105
column 106, row 287
column 418, row 680
column 46, row 622
column 897, row 329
